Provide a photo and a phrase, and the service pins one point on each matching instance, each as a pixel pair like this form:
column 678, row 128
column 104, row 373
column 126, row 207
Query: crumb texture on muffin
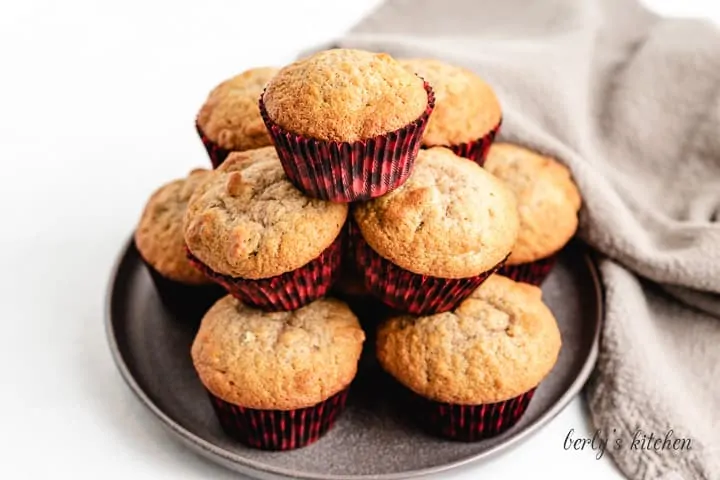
column 277, row 361
column 451, row 219
column 466, row 107
column 345, row 95
column 159, row 236
column 248, row 221
column 230, row 116
column 500, row 342
column 548, row 200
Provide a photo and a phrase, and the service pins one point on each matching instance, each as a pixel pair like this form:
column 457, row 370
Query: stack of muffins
column 352, row 175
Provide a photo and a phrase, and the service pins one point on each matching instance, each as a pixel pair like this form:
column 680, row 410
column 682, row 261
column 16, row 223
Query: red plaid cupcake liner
column 216, row 153
column 278, row 429
column 349, row 171
column 469, row 423
column 410, row 292
column 349, row 253
column 533, row 273
column 288, row 291
column 477, row 150
column 183, row 301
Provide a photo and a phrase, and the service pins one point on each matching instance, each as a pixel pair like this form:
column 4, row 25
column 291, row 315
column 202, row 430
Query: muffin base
column 469, row 423
column 533, row 273
column 184, row 301
column 278, row 429
column 410, row 292
column 288, row 291
column 477, row 150
column 216, row 153
column 349, row 171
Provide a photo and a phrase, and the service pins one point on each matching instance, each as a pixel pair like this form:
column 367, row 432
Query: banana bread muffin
column 467, row 113
column 279, row 380
column 548, row 205
column 159, row 240
column 230, row 120
column 346, row 123
column 471, row 373
column 427, row 245
column 252, row 231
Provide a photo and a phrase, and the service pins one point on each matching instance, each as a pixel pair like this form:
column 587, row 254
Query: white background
column 97, row 101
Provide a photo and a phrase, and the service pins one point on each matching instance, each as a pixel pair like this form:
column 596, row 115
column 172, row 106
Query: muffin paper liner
column 351, row 289
column 278, row 429
column 409, row 292
column 349, row 171
column 185, row 301
column 469, row 423
column 348, row 265
column 288, row 291
column 350, row 282
column 216, row 153
column 477, row 150
column 534, row 273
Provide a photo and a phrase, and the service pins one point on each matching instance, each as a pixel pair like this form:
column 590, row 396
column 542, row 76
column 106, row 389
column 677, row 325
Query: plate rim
column 251, row 467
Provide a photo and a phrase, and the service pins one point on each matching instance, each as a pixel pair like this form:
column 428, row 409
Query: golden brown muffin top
column 248, row 221
column 501, row 342
column 159, row 234
column 548, row 200
column 466, row 107
column 450, row 219
column 345, row 95
column 230, row 116
column 277, row 361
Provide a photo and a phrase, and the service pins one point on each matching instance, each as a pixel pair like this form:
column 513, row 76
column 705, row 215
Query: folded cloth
column 630, row 102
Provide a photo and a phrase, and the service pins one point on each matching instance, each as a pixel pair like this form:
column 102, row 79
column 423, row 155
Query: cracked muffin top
column 230, row 116
column 247, row 220
column 277, row 361
column 499, row 343
column 450, row 219
column 344, row 95
column 548, row 200
column 466, row 107
column 159, row 236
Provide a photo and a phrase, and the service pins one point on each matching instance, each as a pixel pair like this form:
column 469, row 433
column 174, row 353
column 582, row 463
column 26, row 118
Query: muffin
column 229, row 120
column 159, row 240
column 346, row 123
column 426, row 246
column 277, row 381
column 249, row 229
column 467, row 114
column 470, row 374
column 548, row 204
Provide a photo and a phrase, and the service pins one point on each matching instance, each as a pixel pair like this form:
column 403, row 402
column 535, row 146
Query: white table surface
column 96, row 107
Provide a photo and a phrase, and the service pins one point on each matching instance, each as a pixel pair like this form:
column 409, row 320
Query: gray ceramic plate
column 151, row 349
